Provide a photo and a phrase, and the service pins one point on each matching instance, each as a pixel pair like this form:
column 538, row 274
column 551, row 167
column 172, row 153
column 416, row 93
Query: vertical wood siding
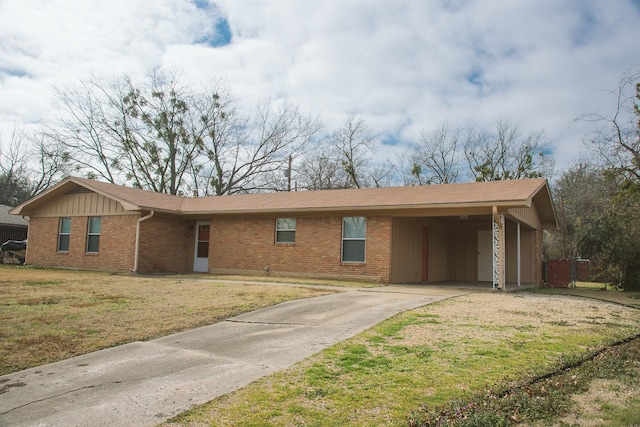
column 81, row 204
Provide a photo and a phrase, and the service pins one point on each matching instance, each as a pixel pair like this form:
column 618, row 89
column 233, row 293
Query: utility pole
column 289, row 175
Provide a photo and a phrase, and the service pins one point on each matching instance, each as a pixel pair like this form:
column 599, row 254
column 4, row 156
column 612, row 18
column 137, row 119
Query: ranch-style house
column 469, row 232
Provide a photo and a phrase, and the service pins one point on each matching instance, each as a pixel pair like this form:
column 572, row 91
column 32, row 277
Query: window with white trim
column 93, row 234
column 354, row 230
column 64, row 234
column 285, row 230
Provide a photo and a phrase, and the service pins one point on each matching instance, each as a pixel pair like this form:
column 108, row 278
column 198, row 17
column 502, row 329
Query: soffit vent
column 79, row 190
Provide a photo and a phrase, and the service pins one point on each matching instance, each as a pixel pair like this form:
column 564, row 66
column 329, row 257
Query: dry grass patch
column 50, row 315
column 290, row 280
column 596, row 291
column 511, row 318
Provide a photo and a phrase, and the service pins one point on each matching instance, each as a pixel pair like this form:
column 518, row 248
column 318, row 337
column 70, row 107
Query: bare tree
column 119, row 130
column 353, row 143
column 436, row 158
column 506, row 153
column 249, row 154
column 50, row 162
column 14, row 186
column 344, row 161
column 321, row 170
column 164, row 136
column 616, row 137
column 29, row 163
column 382, row 174
column 81, row 130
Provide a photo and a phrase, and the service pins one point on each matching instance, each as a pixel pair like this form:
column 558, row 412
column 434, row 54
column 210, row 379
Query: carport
column 492, row 246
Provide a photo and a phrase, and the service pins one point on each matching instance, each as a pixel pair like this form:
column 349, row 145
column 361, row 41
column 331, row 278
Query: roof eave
column 370, row 208
column 23, row 209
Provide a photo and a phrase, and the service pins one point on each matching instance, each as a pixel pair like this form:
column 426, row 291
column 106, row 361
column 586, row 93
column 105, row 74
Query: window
column 93, row 234
column 353, row 238
column 64, row 234
column 285, row 230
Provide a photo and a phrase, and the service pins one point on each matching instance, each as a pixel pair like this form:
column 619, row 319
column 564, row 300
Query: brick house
column 471, row 232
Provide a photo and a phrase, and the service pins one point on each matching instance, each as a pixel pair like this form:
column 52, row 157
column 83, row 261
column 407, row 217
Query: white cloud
column 402, row 65
column 44, row 43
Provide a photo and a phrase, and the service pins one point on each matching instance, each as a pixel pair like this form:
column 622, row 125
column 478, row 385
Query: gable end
column 80, row 202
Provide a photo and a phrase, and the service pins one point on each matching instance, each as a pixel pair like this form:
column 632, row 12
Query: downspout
column 137, row 252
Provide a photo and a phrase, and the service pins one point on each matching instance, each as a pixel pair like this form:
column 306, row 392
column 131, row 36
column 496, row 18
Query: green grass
column 425, row 358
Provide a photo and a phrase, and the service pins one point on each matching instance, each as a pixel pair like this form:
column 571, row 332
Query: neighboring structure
column 11, row 227
column 486, row 232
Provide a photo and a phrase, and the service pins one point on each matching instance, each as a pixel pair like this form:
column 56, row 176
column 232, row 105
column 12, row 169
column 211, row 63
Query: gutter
column 137, row 252
column 362, row 208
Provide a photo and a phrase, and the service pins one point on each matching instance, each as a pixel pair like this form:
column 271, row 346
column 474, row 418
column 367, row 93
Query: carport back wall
column 452, row 249
column 247, row 245
column 407, row 250
column 463, row 260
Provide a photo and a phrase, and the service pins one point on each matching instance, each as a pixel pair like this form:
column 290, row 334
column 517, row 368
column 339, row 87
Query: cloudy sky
column 402, row 65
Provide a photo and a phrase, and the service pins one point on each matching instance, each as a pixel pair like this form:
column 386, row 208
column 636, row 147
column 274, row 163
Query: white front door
column 485, row 256
column 201, row 252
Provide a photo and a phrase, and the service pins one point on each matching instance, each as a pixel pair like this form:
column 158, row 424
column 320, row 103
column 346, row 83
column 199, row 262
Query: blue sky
column 404, row 66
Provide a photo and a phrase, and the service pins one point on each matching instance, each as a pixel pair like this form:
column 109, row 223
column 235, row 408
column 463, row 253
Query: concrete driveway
column 145, row 383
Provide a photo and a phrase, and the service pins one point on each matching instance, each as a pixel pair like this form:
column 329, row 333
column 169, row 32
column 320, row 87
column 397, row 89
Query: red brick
column 237, row 245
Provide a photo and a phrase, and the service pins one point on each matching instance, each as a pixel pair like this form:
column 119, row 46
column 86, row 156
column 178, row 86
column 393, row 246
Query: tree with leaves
column 582, row 195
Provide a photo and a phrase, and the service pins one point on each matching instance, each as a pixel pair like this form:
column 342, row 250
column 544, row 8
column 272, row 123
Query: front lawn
column 439, row 359
column 48, row 315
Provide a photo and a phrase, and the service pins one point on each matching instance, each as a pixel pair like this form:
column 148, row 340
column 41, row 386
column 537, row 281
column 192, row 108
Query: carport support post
column 498, row 249
column 519, row 255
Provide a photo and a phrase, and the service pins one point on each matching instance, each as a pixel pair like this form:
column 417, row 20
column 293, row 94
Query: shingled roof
column 11, row 220
column 516, row 192
column 505, row 194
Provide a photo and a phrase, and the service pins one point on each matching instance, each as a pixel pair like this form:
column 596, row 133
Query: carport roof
column 504, row 194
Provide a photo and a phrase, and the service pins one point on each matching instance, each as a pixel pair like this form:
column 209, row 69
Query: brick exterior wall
column 247, row 245
column 166, row 244
column 117, row 243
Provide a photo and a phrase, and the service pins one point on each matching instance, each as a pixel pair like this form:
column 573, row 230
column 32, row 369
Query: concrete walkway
column 145, row 383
